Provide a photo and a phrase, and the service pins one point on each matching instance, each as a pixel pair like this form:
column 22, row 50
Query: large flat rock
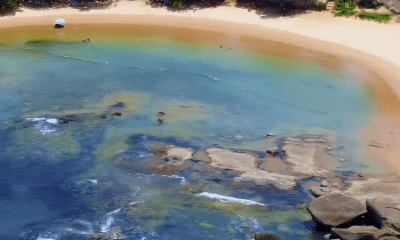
column 335, row 209
column 246, row 165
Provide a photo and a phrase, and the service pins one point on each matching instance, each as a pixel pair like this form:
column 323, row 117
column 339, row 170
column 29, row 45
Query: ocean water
column 65, row 181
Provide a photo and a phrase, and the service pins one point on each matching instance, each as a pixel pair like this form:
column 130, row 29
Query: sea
column 69, row 168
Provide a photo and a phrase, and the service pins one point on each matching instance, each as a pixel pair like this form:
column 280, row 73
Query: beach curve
column 371, row 46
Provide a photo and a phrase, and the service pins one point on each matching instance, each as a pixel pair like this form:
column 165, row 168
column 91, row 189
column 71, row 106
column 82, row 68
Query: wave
column 45, row 125
column 106, row 226
column 228, row 199
column 183, row 179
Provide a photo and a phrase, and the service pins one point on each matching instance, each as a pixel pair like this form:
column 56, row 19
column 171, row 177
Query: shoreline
column 305, row 35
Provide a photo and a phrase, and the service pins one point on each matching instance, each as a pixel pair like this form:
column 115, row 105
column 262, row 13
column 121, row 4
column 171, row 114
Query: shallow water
column 62, row 181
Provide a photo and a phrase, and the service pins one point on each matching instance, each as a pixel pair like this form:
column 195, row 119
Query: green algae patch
column 64, row 143
column 206, row 225
column 111, row 149
column 52, row 147
column 124, row 103
column 187, row 111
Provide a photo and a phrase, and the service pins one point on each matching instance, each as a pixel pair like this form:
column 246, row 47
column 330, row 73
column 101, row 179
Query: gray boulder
column 385, row 212
column 266, row 236
column 316, row 192
column 357, row 232
column 335, row 209
column 324, row 183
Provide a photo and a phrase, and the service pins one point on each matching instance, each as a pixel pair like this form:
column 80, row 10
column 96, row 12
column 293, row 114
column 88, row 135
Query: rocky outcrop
column 357, row 232
column 168, row 159
column 266, row 236
column 385, row 212
column 335, row 209
column 246, row 165
column 300, row 154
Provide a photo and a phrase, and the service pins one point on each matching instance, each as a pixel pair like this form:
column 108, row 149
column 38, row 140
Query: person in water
column 86, row 40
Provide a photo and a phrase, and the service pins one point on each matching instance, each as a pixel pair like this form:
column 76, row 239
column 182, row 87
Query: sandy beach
column 339, row 43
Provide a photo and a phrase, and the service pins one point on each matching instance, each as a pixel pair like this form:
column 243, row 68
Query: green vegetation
column 180, row 3
column 57, row 147
column 9, row 4
column 319, row 6
column 375, row 16
column 345, row 8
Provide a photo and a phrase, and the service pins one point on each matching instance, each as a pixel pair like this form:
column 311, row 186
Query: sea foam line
column 225, row 199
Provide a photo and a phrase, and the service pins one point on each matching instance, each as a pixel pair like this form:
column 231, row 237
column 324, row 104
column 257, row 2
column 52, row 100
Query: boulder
column 316, row 192
column 335, row 209
column 357, row 232
column 266, row 236
column 324, row 183
column 384, row 212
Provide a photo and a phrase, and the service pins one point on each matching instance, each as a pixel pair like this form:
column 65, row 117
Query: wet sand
column 338, row 43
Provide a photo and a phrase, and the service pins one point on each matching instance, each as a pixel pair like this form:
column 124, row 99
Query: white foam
column 106, row 227
column 40, row 238
column 44, row 125
column 94, row 181
column 223, row 198
column 114, row 212
column 183, row 181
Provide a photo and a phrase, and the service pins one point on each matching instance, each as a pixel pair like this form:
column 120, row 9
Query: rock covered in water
column 266, row 236
column 335, row 209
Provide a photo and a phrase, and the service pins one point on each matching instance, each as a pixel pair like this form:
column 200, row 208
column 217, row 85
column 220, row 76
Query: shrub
column 375, row 16
column 345, row 8
column 9, row 4
column 318, row 6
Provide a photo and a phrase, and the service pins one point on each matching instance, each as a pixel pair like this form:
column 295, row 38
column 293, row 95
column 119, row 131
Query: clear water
column 57, row 183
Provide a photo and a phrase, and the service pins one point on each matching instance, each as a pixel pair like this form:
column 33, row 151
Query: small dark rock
column 324, row 183
column 316, row 192
column 246, row 228
column 270, row 135
column 266, row 236
column 119, row 105
column 273, row 151
column 118, row 114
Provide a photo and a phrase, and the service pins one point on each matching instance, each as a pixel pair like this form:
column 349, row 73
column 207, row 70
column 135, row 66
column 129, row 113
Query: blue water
column 54, row 185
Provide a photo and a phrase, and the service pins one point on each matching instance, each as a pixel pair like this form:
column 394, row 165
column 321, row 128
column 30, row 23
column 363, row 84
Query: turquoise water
column 62, row 181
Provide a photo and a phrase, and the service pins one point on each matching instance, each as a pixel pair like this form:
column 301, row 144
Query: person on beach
column 86, row 40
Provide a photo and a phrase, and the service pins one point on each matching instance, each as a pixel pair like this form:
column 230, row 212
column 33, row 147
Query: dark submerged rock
column 335, row 209
column 266, row 236
column 273, row 151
